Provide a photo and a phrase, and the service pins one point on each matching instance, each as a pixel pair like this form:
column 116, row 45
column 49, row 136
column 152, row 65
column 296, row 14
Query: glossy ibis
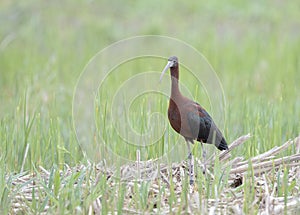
column 189, row 119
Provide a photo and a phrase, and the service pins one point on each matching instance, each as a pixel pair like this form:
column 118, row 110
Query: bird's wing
column 202, row 126
column 199, row 122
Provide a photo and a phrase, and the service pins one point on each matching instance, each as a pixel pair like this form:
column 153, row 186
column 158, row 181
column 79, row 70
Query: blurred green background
column 254, row 47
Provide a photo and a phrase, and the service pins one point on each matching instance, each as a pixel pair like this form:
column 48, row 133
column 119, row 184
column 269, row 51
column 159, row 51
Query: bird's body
column 188, row 118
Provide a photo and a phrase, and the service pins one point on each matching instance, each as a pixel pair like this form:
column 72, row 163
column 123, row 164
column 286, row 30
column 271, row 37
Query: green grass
column 254, row 48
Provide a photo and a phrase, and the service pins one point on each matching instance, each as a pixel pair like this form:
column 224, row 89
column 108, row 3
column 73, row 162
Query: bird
column 189, row 118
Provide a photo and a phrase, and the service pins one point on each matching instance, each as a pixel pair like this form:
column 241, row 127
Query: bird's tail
column 222, row 145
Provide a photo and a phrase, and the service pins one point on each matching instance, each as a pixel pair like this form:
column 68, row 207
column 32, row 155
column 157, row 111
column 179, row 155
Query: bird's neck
column 174, row 78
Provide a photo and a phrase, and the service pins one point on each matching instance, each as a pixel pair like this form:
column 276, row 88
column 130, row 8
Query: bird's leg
column 203, row 152
column 203, row 158
column 191, row 164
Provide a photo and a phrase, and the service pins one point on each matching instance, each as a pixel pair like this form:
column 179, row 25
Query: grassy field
column 254, row 48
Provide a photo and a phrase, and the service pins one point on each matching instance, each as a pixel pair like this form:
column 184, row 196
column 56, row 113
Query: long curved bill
column 169, row 64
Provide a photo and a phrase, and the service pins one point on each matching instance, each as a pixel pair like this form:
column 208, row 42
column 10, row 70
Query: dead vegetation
column 166, row 188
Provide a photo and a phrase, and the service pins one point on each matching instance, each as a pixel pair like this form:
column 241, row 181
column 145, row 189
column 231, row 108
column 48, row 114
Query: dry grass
column 163, row 182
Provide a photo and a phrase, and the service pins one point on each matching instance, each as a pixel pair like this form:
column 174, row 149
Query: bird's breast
column 174, row 118
column 178, row 120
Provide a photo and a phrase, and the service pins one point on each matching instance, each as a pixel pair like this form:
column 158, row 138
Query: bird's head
column 172, row 63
